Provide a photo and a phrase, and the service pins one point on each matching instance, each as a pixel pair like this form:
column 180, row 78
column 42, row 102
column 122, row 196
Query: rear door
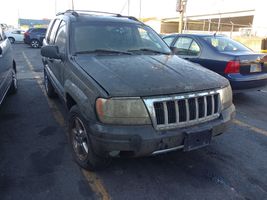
column 42, row 34
column 53, row 66
column 187, row 48
column 18, row 35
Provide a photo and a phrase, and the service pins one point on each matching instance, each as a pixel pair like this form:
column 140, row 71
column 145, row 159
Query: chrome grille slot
column 183, row 110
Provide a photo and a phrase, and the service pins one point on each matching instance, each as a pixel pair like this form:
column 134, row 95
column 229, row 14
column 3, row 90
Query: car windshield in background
column 224, row 44
column 97, row 37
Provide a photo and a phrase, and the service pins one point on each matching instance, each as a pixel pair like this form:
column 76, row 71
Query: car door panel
column 6, row 60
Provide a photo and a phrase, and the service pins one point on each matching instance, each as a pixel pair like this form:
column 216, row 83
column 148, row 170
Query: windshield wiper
column 149, row 50
column 111, row 51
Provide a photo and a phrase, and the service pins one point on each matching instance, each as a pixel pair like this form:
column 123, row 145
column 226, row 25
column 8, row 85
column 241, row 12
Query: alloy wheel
column 35, row 44
column 80, row 139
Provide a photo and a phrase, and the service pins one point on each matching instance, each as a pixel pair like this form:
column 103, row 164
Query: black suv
column 8, row 80
column 34, row 37
column 126, row 93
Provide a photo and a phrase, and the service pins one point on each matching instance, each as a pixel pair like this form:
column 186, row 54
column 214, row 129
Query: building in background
column 233, row 18
column 25, row 24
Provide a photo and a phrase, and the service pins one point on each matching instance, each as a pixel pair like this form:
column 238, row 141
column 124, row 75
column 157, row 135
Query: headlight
column 122, row 111
column 226, row 96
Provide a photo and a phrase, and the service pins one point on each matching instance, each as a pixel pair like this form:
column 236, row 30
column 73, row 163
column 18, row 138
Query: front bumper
column 145, row 140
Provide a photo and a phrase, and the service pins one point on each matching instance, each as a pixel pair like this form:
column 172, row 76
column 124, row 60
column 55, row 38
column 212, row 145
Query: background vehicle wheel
column 50, row 91
column 12, row 40
column 79, row 136
column 35, row 43
column 14, row 85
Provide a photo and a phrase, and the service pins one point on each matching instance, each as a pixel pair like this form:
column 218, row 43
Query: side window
column 169, row 40
column 187, row 46
column 194, row 49
column 1, row 36
column 53, row 32
column 60, row 39
column 48, row 32
column 183, row 44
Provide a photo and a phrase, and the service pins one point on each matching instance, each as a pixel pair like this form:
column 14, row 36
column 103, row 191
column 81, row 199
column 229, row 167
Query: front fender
column 85, row 105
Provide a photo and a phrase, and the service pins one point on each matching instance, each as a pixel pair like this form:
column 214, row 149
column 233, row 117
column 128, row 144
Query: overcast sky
column 10, row 10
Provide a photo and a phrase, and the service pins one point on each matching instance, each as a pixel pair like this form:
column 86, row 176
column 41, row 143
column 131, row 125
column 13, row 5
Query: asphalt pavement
column 36, row 161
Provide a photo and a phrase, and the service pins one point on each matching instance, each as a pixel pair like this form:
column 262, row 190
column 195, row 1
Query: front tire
column 79, row 137
column 35, row 44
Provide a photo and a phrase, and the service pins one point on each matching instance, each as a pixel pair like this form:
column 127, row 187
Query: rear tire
column 50, row 91
column 35, row 43
column 14, row 84
column 82, row 149
column 12, row 40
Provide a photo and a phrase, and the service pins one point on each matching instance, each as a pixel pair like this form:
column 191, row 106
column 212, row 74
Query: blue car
column 244, row 69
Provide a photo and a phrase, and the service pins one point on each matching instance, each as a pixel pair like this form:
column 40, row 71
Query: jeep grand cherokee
column 126, row 93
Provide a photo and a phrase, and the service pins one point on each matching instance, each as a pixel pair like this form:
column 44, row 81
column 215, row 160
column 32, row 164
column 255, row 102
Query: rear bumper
column 145, row 140
column 247, row 82
column 26, row 41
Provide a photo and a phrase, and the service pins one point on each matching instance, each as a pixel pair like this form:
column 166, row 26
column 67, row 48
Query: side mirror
column 51, row 51
column 174, row 50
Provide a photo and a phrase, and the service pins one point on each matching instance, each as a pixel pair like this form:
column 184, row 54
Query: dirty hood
column 146, row 75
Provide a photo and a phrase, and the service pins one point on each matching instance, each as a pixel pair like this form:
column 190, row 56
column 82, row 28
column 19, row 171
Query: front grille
column 183, row 110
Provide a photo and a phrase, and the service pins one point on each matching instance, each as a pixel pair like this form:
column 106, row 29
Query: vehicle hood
column 148, row 75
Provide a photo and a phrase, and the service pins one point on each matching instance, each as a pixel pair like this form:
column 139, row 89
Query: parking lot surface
column 36, row 161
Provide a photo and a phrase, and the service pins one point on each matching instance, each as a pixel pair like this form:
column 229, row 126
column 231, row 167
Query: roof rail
column 77, row 12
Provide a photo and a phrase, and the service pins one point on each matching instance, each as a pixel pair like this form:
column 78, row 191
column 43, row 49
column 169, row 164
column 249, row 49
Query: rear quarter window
column 225, row 44
column 169, row 40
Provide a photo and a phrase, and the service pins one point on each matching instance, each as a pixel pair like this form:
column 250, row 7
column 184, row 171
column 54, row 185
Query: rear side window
column 224, row 44
column 60, row 39
column 169, row 40
column 194, row 49
column 50, row 36
column 1, row 36
column 187, row 46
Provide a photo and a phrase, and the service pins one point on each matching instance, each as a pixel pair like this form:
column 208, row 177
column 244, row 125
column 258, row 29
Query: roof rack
column 77, row 12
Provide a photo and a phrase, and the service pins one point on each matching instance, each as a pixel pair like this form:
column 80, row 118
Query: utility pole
column 180, row 7
column 72, row 5
column 55, row 7
column 140, row 9
column 128, row 7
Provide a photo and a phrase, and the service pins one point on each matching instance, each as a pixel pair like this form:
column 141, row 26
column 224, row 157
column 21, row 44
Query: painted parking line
column 57, row 114
column 252, row 128
column 93, row 180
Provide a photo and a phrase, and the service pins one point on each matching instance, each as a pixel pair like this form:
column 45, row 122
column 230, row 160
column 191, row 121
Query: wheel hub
column 80, row 139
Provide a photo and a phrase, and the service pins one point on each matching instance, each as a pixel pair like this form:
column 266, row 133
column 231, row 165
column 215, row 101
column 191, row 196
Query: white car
column 15, row 35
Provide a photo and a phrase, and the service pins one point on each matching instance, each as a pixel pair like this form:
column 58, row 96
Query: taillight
column 232, row 67
column 26, row 34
